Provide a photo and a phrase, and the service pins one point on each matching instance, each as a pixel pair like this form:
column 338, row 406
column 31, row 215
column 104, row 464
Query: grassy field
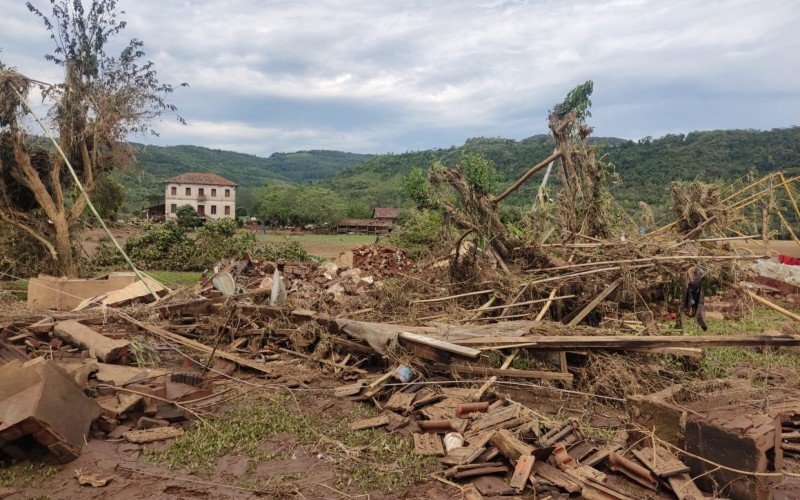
column 324, row 245
column 182, row 278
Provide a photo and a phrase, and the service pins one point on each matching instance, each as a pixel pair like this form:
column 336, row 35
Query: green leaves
column 577, row 99
column 479, row 172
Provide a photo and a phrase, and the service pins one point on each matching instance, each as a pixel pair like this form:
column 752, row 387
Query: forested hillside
column 644, row 167
column 156, row 163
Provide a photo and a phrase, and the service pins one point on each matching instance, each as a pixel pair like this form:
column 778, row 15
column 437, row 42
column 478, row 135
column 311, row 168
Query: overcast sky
column 384, row 76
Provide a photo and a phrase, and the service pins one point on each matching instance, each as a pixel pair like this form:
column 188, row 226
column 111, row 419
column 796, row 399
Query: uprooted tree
column 102, row 99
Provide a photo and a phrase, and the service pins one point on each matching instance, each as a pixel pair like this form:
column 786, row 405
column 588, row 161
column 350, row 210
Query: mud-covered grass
column 368, row 460
column 25, row 475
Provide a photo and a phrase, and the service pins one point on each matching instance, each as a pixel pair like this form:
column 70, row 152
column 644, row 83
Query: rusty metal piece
column 464, row 409
column 435, row 425
column 632, row 470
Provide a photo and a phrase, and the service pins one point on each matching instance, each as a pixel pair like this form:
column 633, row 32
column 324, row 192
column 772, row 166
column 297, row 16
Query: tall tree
column 102, row 99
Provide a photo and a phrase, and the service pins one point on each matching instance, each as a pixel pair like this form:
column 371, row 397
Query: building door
column 201, row 209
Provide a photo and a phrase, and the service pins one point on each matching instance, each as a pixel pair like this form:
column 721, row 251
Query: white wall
column 220, row 201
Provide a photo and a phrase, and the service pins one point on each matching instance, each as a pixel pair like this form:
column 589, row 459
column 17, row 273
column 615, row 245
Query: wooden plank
column 567, row 342
column 462, row 456
column 684, row 488
column 661, row 462
column 594, row 303
column 406, row 337
column 480, row 471
column 428, row 445
column 153, row 434
column 494, row 419
column 511, row 446
column 522, row 472
column 400, row 401
column 105, row 349
column 512, row 372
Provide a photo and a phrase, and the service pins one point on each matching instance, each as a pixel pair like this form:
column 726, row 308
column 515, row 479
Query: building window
column 173, row 208
column 188, row 191
column 201, row 209
column 227, row 209
column 227, row 193
column 201, row 192
column 213, row 210
column 213, row 192
column 173, row 190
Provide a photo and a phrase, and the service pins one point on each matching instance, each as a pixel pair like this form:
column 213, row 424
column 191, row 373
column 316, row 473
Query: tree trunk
column 67, row 263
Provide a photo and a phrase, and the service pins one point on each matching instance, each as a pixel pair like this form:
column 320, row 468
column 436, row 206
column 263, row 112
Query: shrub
column 288, row 249
column 188, row 218
column 167, row 247
column 418, row 230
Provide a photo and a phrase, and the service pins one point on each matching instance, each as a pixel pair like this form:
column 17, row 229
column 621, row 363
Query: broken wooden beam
column 507, row 372
column 406, row 338
column 105, row 349
column 567, row 342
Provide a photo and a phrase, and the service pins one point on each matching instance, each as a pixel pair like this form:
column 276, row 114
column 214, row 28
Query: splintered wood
column 428, row 445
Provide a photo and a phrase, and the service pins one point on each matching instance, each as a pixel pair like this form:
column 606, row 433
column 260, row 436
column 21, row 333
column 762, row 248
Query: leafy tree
column 479, row 172
column 188, row 218
column 108, row 197
column 578, row 100
column 102, row 99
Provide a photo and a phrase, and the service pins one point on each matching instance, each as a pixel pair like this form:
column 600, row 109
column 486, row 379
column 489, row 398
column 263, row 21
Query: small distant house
column 363, row 226
column 213, row 196
column 381, row 222
column 155, row 212
column 386, row 214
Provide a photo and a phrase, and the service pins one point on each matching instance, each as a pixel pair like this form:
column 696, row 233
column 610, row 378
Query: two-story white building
column 213, row 196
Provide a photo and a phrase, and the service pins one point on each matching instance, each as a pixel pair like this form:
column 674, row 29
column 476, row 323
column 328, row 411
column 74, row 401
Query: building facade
column 213, row 196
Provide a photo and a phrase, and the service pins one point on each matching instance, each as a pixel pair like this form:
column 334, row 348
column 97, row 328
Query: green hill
column 157, row 163
column 645, row 167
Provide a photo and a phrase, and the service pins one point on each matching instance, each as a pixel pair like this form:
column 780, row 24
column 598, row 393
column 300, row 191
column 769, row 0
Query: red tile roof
column 385, row 213
column 200, row 178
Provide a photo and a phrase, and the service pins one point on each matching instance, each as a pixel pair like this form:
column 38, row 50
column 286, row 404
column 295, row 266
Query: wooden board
column 663, row 464
column 490, row 468
column 400, row 401
column 510, row 445
column 416, row 338
column 684, row 488
column 462, row 456
column 153, row 434
column 562, row 342
column 511, row 372
column 428, row 445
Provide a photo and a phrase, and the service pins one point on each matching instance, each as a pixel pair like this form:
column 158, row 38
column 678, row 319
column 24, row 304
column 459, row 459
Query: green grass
column 29, row 475
column 182, row 278
column 368, row 460
column 720, row 361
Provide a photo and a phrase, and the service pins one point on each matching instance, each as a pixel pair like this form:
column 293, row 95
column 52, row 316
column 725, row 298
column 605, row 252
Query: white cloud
column 441, row 69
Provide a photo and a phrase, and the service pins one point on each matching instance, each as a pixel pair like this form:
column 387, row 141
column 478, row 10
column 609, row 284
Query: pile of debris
column 63, row 381
column 500, row 447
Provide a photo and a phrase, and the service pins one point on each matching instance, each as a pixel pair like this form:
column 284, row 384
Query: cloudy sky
column 278, row 75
